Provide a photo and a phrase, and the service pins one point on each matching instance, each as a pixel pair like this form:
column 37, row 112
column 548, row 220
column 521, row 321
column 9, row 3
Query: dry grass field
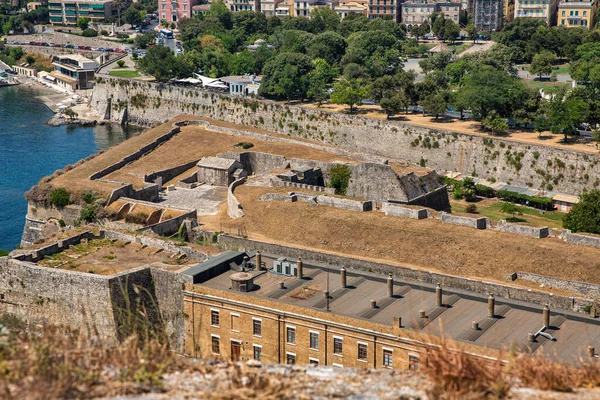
column 425, row 244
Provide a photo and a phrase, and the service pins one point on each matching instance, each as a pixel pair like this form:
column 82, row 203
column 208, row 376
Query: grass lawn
column 491, row 208
column 460, row 47
column 562, row 69
column 546, row 85
column 124, row 73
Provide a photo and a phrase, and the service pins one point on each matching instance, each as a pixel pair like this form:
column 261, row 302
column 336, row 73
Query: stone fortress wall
column 486, row 157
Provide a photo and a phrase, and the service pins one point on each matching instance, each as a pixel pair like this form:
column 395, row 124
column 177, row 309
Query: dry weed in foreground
column 458, row 375
column 54, row 362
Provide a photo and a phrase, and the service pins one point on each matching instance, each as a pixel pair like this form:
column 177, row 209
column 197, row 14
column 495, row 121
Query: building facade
column 67, row 12
column 573, row 14
column 417, row 12
column 268, row 7
column 543, row 10
column 384, row 9
column 74, row 72
column 175, row 10
column 488, row 15
column 345, row 8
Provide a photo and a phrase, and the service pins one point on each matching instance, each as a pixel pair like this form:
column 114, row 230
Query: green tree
column 286, row 76
column 320, row 78
column 159, row 62
column 510, row 208
column 451, row 30
column 144, row 40
column 132, row 16
column 349, row 92
column 494, row 123
column 585, row 215
column 339, row 178
column 83, row 23
column 391, row 105
column 328, row 45
column 468, row 188
column 542, row 63
column 565, row 114
column 221, row 13
column 436, row 61
column 435, row 103
column 473, row 32
column 60, row 197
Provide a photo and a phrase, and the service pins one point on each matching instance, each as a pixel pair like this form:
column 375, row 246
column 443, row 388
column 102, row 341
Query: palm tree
column 510, row 208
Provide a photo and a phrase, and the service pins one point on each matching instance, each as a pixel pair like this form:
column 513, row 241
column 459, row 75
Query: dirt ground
column 424, row 244
column 469, row 127
column 106, row 258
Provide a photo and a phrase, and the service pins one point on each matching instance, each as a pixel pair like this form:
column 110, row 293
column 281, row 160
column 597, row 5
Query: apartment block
column 345, row 8
column 543, row 10
column 243, row 5
column 175, row 10
column 268, row 7
column 384, row 9
column 252, row 306
column 488, row 15
column 73, row 71
column 67, row 12
column 575, row 14
column 419, row 11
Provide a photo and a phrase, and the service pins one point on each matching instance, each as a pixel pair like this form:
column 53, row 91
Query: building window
column 413, row 363
column 313, row 361
column 291, row 358
column 314, row 340
column 362, row 351
column 585, row 13
column 291, row 335
column 164, row 7
column 257, row 327
column 564, row 13
column 214, row 318
column 215, row 345
column 387, row 358
column 337, row 345
column 257, row 352
column 235, row 322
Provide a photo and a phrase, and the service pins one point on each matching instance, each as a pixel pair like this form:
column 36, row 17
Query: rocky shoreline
column 60, row 119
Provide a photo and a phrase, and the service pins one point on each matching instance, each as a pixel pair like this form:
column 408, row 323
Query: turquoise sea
column 29, row 150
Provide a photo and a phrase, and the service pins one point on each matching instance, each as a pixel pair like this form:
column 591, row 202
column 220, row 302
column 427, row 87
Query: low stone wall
column 399, row 211
column 136, row 155
column 345, row 204
column 523, row 230
column 63, row 244
column 585, row 289
column 170, row 226
column 167, row 174
column 279, row 183
column 156, row 243
column 148, row 193
column 405, row 273
column 234, row 208
column 580, row 239
column 477, row 223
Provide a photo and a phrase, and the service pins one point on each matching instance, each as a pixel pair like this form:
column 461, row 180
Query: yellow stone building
column 573, row 13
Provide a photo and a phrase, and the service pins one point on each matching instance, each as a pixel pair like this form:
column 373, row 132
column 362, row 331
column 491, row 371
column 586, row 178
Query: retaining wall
column 279, row 183
column 585, row 289
column 437, row 148
column 148, row 193
column 345, row 204
column 523, row 230
column 156, row 243
column 398, row 211
column 234, row 208
column 60, row 245
column 477, row 223
column 170, row 226
column 169, row 173
column 473, row 285
column 580, row 239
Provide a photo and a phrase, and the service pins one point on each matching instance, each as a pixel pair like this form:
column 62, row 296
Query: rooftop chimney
column 591, row 351
column 398, row 322
column 343, row 277
column 281, row 285
column 258, row 261
column 373, row 304
column 300, row 268
column 530, row 337
column 491, row 306
column 546, row 315
column 475, row 325
column 422, row 314
column 438, row 295
column 390, row 285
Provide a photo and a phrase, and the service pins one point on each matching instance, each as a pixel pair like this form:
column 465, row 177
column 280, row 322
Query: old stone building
column 217, row 171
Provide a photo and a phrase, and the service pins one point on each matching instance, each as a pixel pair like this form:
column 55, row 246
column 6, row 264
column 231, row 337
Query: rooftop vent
column 242, row 282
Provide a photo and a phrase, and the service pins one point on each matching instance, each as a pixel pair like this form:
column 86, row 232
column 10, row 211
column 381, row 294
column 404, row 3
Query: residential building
column 543, row 10
column 509, row 10
column 384, row 9
column 345, row 8
column 450, row 10
column 25, row 70
column 564, row 202
column 573, row 13
column 488, row 15
column 302, row 8
column 66, row 12
column 268, row 7
column 200, row 9
column 284, row 9
column 74, row 71
column 246, row 85
column 417, row 12
column 325, row 315
column 175, row 10
column 243, row 5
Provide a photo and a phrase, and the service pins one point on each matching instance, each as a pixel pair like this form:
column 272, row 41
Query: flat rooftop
column 507, row 330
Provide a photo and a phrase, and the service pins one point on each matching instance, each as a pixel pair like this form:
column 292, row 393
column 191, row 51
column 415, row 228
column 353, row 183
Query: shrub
column 59, row 197
column 244, row 145
column 122, row 36
column 62, row 223
column 104, row 32
column 339, row 178
column 88, row 213
column 89, row 33
column 3, row 253
column 121, row 63
column 137, row 218
column 471, row 209
column 585, row 215
column 89, row 197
